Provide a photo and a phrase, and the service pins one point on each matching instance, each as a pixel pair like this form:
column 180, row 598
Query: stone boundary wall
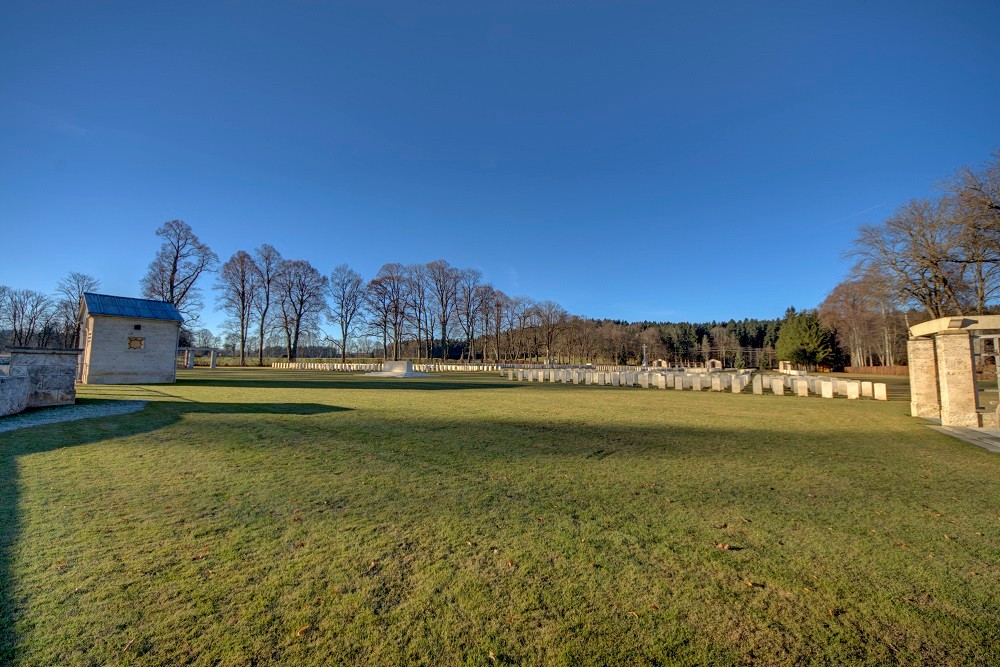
column 38, row 378
column 13, row 390
column 877, row 370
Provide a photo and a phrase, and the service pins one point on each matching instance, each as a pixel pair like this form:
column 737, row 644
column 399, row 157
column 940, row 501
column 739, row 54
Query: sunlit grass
column 258, row 517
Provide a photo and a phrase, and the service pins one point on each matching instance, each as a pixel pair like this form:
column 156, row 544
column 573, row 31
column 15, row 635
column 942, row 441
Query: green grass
column 252, row 517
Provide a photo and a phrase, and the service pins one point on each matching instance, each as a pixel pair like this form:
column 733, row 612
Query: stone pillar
column 215, row 356
column 957, row 380
column 924, row 398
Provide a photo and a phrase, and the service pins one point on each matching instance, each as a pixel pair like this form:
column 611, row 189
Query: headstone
column 853, row 390
column 867, row 389
column 801, row 388
column 758, row 384
column 826, row 389
column 777, row 387
column 881, row 391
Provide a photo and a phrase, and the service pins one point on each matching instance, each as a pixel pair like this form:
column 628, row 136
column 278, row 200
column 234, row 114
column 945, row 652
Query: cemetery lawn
column 257, row 517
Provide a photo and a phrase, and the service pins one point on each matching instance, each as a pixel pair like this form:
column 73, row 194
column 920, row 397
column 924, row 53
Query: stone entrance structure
column 945, row 358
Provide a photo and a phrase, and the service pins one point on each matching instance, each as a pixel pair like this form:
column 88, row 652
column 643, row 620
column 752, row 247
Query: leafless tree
column 916, row 248
column 27, row 315
column 266, row 266
column 301, row 291
column 70, row 291
column 551, row 319
column 418, row 301
column 347, row 290
column 469, row 300
column 444, row 280
column 174, row 272
column 976, row 197
column 387, row 301
column 238, row 288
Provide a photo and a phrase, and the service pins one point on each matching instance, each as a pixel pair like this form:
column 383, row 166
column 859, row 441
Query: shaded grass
column 259, row 517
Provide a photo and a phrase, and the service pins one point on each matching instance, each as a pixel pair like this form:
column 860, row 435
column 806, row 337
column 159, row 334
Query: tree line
column 932, row 257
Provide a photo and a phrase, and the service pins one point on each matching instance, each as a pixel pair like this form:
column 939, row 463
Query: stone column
column 215, row 356
column 924, row 397
column 957, row 380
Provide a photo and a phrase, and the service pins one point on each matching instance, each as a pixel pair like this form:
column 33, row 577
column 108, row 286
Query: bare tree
column 27, row 314
column 470, row 297
column 238, row 287
column 976, row 197
column 418, row 306
column 444, row 289
column 916, row 248
column 173, row 274
column 551, row 319
column 301, row 293
column 70, row 291
column 387, row 301
column 347, row 290
column 267, row 264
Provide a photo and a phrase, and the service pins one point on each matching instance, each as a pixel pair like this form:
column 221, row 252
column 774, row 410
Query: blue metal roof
column 123, row 306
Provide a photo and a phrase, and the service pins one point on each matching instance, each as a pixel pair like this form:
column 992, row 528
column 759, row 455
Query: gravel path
column 69, row 413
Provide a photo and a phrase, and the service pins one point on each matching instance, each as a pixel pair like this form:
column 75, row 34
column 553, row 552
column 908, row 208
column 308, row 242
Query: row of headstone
column 311, row 366
column 733, row 382
column 778, row 385
column 825, row 387
column 435, row 367
column 439, row 367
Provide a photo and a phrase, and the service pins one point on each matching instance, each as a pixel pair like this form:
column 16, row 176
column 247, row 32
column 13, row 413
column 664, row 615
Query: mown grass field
column 256, row 517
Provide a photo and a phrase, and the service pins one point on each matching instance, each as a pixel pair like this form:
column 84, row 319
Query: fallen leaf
column 301, row 631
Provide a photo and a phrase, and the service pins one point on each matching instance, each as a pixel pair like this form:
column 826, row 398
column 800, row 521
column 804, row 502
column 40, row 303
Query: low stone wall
column 38, row 378
column 877, row 370
column 13, row 390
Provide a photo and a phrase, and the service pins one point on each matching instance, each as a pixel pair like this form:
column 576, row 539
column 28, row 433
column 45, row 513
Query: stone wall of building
column 114, row 356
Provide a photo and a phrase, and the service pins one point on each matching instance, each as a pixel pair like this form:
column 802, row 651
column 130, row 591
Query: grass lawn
column 252, row 517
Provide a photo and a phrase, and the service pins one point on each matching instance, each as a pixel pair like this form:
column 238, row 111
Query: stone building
column 128, row 341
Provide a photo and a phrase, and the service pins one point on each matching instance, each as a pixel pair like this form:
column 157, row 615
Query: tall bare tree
column 301, row 293
column 387, row 300
column 70, row 291
column 916, row 248
column 27, row 315
column 347, row 290
column 266, row 265
column 418, row 306
column 444, row 280
column 238, row 288
column 174, row 272
column 469, row 302
column 551, row 319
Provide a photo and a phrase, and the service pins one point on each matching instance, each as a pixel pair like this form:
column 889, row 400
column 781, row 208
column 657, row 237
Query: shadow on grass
column 47, row 437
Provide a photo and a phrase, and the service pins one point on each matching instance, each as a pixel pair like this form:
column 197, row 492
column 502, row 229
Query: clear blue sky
column 692, row 161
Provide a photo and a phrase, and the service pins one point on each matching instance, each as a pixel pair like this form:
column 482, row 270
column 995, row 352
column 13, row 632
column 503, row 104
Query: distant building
column 128, row 341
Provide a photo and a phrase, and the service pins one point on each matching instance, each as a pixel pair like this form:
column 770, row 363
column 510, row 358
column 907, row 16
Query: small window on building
column 137, row 327
column 135, row 343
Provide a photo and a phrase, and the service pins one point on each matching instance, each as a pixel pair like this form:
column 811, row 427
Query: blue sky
column 629, row 160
